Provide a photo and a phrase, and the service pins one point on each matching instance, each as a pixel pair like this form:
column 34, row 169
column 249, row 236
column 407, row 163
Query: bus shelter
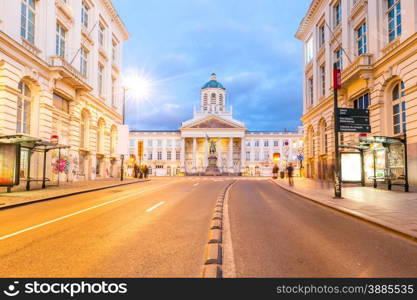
column 376, row 160
column 11, row 147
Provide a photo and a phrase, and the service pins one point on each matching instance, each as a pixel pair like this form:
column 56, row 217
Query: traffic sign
column 352, row 120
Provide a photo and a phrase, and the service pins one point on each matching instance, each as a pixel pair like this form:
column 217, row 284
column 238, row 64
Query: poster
column 351, row 167
column 8, row 162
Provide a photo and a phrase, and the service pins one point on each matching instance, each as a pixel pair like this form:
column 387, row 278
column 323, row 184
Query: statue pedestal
column 212, row 169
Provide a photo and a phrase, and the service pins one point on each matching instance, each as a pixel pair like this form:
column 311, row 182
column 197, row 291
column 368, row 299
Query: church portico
column 212, row 143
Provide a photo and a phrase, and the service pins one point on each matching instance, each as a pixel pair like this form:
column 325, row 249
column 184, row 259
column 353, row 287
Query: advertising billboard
column 351, row 167
column 9, row 164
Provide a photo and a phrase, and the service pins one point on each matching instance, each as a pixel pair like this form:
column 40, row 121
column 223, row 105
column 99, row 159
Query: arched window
column 84, row 130
column 213, row 99
column 23, row 109
column 310, row 141
column 399, row 109
column 323, row 137
column 221, row 100
column 205, row 101
column 100, row 136
column 113, row 140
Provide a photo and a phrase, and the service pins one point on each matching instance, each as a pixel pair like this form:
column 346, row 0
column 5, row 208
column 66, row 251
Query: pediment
column 214, row 123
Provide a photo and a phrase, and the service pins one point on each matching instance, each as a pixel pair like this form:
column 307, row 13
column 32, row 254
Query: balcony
column 360, row 66
column 69, row 73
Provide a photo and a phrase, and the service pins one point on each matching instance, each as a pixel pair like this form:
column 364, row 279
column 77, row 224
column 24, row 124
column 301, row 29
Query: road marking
column 79, row 212
column 155, row 206
column 229, row 269
column 195, row 184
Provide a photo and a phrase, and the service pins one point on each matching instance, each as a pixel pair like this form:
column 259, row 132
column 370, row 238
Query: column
column 219, row 152
column 194, row 155
column 242, row 155
column 205, row 153
column 230, row 159
column 182, row 155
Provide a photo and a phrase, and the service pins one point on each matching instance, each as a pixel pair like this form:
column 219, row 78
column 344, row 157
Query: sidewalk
column 392, row 209
column 18, row 198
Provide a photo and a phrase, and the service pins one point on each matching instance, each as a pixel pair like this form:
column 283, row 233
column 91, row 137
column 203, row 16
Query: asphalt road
column 154, row 229
column 160, row 229
column 275, row 233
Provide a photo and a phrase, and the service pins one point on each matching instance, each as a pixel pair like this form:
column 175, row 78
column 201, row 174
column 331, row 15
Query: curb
column 68, row 195
column 356, row 215
column 214, row 250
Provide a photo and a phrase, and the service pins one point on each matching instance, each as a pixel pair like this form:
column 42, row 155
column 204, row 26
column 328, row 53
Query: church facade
column 186, row 151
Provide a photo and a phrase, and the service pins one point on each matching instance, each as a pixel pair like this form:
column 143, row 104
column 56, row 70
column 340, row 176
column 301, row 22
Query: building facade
column 374, row 43
column 185, row 151
column 60, row 77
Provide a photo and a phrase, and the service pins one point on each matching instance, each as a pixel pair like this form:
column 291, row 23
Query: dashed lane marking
column 155, row 206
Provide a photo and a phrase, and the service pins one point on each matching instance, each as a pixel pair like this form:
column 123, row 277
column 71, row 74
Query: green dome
column 213, row 83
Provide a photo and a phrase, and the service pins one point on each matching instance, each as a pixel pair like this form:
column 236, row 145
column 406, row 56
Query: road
column 160, row 229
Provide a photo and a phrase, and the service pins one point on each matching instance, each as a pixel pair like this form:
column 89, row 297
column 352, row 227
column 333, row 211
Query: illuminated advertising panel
column 351, row 167
column 9, row 162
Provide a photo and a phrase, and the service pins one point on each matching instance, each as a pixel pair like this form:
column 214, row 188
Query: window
column 100, row 79
column 84, row 14
column 177, row 155
column 361, row 39
column 178, row 143
column 323, row 79
column 159, row 143
column 266, row 156
column 205, row 101
column 257, row 143
column 113, row 92
column 83, row 61
column 266, row 143
column 309, row 51
column 159, row 153
column 61, row 103
column 27, row 20
column 321, row 36
column 248, row 143
column 247, row 156
column 114, row 52
column 23, row 109
column 60, row 40
column 256, row 156
column 338, row 58
column 394, row 19
column 169, row 143
column 150, row 155
column 101, row 31
column 276, row 143
column 150, row 143
column 132, row 143
column 169, row 155
column 221, row 100
column 213, row 98
column 337, row 11
column 361, row 102
column 399, row 109
column 311, row 90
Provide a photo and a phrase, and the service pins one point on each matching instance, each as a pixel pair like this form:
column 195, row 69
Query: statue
column 212, row 147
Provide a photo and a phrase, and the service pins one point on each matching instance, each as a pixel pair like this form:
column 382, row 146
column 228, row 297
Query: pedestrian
column 290, row 171
column 275, row 171
column 145, row 171
column 136, row 170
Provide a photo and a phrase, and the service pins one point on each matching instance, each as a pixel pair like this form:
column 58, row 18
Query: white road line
column 195, row 184
column 229, row 269
column 78, row 212
column 155, row 206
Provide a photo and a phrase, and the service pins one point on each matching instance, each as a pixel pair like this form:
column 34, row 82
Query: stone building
column 185, row 151
column 60, row 76
column 374, row 43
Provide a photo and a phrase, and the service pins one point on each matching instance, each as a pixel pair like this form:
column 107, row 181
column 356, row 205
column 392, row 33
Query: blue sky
column 249, row 44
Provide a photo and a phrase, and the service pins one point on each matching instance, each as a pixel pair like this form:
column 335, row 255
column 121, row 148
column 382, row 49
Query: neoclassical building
column 185, row 151
column 60, row 73
column 374, row 43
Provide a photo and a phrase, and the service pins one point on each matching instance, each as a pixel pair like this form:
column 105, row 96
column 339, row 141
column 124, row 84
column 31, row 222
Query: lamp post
column 122, row 156
column 337, row 176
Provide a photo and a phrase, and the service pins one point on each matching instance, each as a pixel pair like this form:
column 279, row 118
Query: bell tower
column 213, row 97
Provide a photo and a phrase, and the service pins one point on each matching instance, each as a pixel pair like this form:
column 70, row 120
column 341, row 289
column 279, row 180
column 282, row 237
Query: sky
column 250, row 45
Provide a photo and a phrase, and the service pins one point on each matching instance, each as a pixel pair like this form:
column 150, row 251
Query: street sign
column 352, row 120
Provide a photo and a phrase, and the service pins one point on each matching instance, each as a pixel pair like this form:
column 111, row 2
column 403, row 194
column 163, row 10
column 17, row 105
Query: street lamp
column 139, row 88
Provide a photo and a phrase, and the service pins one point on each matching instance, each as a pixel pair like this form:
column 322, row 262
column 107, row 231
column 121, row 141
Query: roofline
column 154, row 131
column 307, row 18
column 118, row 20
